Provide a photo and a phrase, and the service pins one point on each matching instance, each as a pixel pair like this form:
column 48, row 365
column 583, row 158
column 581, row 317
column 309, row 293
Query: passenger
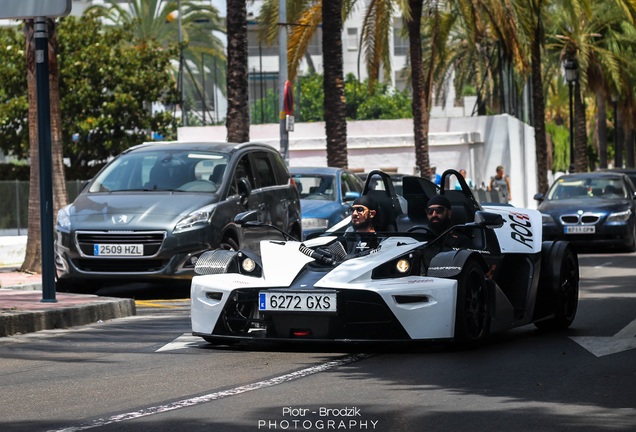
column 365, row 210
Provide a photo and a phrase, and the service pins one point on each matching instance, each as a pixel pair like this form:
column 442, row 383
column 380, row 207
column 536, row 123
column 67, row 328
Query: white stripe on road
column 215, row 396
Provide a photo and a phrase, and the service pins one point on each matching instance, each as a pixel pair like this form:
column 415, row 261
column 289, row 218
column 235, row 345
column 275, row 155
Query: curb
column 14, row 322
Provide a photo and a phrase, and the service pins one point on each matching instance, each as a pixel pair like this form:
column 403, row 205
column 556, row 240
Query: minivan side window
column 263, row 171
column 280, row 169
column 242, row 170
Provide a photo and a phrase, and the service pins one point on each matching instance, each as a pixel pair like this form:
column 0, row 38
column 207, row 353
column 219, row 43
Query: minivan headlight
column 64, row 218
column 196, row 219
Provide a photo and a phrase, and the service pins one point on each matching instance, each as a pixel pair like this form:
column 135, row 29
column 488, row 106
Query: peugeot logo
column 120, row 219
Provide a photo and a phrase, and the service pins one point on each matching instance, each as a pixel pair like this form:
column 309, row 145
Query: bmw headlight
column 313, row 223
column 64, row 218
column 619, row 216
column 196, row 219
column 546, row 219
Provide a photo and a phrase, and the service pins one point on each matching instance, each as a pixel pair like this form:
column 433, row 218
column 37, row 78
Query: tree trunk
column 418, row 103
column 601, row 127
column 334, row 103
column 629, row 147
column 538, row 106
column 33, row 257
column 238, row 114
column 580, row 134
column 619, row 137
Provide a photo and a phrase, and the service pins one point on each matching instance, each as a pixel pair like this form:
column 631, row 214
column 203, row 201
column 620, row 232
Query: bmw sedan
column 593, row 209
column 325, row 195
column 153, row 210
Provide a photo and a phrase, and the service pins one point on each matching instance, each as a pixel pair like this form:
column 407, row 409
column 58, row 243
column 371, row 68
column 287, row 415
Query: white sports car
column 412, row 285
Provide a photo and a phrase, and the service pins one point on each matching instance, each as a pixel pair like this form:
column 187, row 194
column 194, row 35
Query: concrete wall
column 477, row 144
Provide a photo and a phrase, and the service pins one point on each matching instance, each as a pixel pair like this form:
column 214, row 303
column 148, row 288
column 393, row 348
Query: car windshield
column 315, row 186
column 583, row 188
column 161, row 170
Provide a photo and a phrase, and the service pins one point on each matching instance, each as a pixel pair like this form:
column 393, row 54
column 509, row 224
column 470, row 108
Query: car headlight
column 195, row 219
column 311, row 223
column 619, row 216
column 405, row 265
column 64, row 218
column 546, row 219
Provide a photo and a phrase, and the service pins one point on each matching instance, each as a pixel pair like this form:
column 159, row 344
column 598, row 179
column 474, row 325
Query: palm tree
column 33, row 255
column 157, row 21
column 577, row 36
column 238, row 115
column 334, row 103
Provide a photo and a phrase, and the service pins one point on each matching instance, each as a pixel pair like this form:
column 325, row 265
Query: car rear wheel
column 471, row 314
column 561, row 280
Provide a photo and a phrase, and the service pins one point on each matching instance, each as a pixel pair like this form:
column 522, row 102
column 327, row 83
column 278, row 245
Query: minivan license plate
column 297, row 302
column 118, row 250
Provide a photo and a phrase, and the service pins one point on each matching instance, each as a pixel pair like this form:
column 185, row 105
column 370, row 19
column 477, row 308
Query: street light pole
column 570, row 66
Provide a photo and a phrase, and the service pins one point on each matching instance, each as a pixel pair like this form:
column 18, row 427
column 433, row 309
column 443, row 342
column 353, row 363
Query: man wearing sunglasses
column 363, row 213
column 438, row 211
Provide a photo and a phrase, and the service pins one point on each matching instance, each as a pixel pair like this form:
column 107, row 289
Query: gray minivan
column 153, row 210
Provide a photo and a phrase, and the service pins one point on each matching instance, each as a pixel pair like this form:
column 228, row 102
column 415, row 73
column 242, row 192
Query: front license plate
column 297, row 302
column 580, row 229
column 118, row 250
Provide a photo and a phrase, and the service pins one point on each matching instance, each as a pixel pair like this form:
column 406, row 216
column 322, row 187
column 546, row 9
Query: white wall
column 477, row 144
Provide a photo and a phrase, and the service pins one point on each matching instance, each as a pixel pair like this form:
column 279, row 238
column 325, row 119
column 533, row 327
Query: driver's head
column 438, row 211
column 363, row 211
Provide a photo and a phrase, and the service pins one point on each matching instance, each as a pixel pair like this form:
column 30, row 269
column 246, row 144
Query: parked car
column 591, row 209
column 153, row 210
column 325, row 195
column 631, row 172
column 396, row 179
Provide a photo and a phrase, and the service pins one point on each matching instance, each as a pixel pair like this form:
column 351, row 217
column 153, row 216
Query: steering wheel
column 423, row 228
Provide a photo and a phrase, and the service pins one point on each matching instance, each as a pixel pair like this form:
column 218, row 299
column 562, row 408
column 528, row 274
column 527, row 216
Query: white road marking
column 182, row 342
column 215, row 396
column 601, row 346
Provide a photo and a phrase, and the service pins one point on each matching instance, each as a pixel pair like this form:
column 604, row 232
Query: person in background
column 435, row 177
column 501, row 183
column 469, row 181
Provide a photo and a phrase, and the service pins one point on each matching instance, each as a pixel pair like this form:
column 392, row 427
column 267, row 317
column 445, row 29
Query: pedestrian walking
column 501, row 184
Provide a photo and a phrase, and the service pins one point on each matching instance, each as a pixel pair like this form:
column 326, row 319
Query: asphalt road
column 147, row 373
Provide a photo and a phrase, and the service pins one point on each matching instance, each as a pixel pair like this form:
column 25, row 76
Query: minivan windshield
column 163, row 170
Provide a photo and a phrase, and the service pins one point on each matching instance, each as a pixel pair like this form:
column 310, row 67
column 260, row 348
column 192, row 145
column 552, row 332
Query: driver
column 438, row 211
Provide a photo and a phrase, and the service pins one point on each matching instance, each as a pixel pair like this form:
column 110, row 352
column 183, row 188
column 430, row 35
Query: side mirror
column 246, row 217
column 539, row 197
column 244, row 187
column 488, row 220
column 351, row 196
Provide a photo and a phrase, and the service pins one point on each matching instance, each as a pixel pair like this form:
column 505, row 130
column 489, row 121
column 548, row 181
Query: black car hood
column 135, row 210
column 591, row 205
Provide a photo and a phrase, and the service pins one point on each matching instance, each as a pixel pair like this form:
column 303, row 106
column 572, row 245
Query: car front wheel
column 471, row 314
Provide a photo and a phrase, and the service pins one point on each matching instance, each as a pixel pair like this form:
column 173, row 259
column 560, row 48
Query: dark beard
column 363, row 225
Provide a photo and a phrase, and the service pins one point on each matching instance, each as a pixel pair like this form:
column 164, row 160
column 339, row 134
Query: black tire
column 560, row 282
column 631, row 247
column 229, row 243
column 472, row 317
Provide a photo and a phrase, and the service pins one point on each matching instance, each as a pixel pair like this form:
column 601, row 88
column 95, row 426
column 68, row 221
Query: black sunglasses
column 438, row 210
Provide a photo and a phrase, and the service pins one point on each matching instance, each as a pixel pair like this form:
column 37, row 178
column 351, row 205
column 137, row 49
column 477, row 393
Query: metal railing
column 14, row 196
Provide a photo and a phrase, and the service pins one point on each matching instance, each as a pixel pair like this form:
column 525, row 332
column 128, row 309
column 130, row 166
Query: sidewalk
column 23, row 311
